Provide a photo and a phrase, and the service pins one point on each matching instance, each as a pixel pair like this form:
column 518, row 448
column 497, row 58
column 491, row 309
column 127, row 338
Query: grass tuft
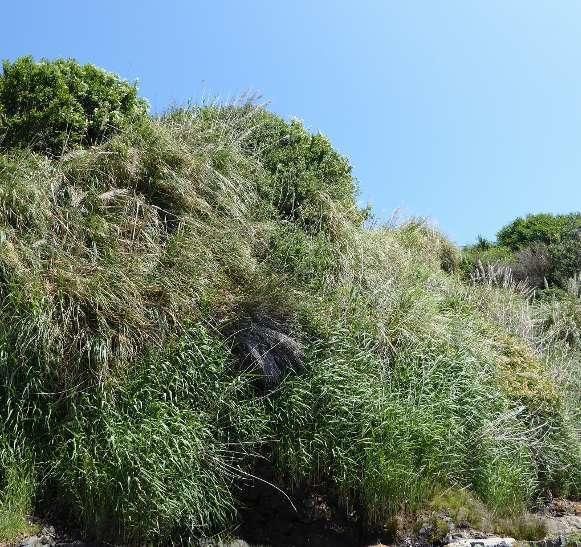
column 16, row 496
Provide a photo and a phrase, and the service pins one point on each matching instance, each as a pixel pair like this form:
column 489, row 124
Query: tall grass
column 418, row 403
column 162, row 449
column 107, row 255
column 173, row 309
column 16, row 494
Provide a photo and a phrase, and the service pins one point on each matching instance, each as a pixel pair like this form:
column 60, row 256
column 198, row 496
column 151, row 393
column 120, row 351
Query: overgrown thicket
column 200, row 291
column 542, row 250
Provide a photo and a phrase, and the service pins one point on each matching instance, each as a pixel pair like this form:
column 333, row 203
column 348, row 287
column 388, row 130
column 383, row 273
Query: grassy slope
column 128, row 273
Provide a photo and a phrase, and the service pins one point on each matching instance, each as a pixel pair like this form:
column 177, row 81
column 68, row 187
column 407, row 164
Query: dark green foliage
column 53, row 106
column 541, row 250
column 482, row 244
column 491, row 254
column 541, row 228
column 566, row 258
column 307, row 173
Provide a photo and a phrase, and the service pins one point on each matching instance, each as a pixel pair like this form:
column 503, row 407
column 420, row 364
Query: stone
column 37, row 541
column 485, row 542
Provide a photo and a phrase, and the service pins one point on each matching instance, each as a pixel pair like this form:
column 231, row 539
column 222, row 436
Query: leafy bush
column 306, row 172
column 541, row 228
column 566, row 258
column 494, row 254
column 52, row 106
column 542, row 250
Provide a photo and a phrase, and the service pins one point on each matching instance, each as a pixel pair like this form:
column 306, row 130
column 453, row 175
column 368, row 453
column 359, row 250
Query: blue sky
column 466, row 112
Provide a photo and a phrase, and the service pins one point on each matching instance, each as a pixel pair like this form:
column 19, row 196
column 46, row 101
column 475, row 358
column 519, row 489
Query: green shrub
column 306, row 173
column 53, row 106
column 566, row 258
column 541, row 228
column 540, row 250
column 474, row 255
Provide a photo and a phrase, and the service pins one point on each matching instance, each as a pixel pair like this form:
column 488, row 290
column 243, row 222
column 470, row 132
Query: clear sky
column 465, row 112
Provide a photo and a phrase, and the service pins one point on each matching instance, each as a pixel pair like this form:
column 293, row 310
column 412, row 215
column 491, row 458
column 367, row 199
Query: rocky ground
column 270, row 519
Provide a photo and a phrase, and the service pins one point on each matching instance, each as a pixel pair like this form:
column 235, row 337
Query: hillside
column 194, row 302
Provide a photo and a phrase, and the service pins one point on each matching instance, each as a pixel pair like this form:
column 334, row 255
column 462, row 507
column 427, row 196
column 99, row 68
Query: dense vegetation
column 543, row 250
column 187, row 295
column 54, row 106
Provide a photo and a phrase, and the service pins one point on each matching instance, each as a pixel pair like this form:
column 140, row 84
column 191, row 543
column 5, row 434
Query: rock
column 563, row 526
column 38, row 541
column 485, row 542
column 232, row 543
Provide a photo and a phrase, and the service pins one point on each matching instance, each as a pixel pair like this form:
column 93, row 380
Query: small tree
column 53, row 106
